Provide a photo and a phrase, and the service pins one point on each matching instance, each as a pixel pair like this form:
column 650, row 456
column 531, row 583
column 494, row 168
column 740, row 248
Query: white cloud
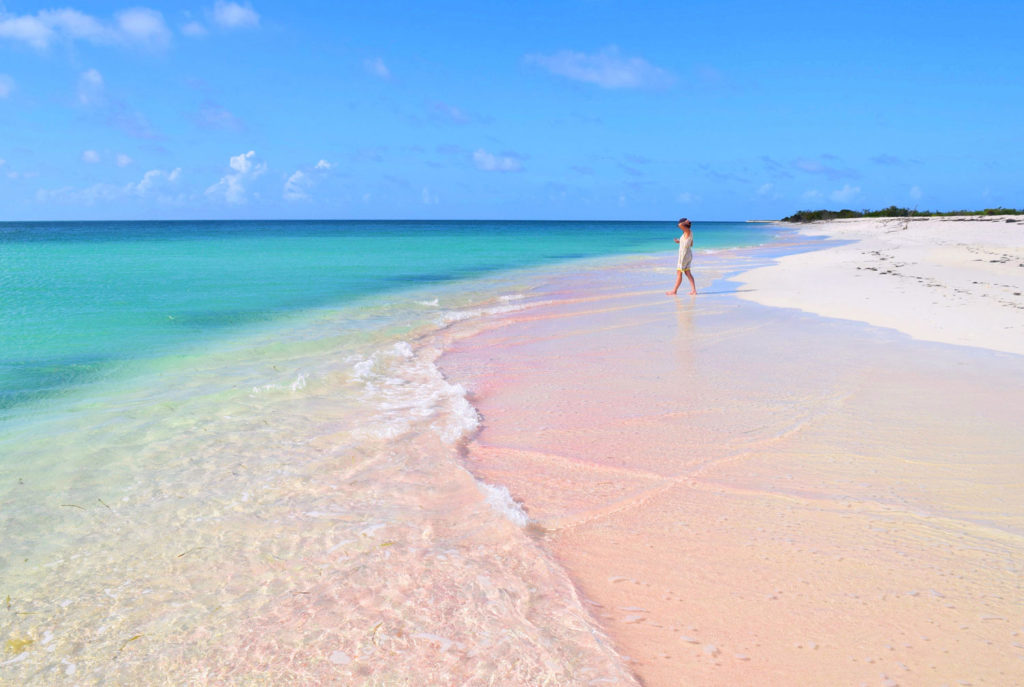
column 813, row 194
column 140, row 26
column 297, row 186
column 494, row 163
column 193, row 29
column 687, row 197
column 123, row 160
column 144, row 26
column 6, row 85
column 31, row 30
column 243, row 163
column 75, row 24
column 231, row 15
column 90, row 156
column 377, row 67
column 154, row 179
column 232, row 186
column 916, row 193
column 607, row 69
column 845, row 194
column 765, row 189
column 428, row 197
column 90, row 87
column 155, row 183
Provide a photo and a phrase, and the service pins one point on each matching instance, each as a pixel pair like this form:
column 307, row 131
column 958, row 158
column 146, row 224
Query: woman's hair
column 683, row 221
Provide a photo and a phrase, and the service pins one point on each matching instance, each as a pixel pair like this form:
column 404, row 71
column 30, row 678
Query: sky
column 555, row 109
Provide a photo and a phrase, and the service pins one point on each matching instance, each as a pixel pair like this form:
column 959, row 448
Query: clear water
column 226, row 454
column 79, row 300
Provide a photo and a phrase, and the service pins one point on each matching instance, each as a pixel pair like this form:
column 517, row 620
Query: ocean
column 227, row 456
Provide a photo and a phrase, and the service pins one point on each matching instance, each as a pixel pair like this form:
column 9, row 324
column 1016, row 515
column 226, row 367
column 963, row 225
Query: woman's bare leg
column 679, row 280
column 693, row 286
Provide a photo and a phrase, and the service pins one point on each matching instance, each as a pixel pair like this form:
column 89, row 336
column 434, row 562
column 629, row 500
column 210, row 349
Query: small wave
column 453, row 316
column 500, row 499
column 409, row 389
column 432, row 304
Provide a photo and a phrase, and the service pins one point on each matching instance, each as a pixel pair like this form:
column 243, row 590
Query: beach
column 227, row 455
column 807, row 474
column 957, row 280
column 529, row 466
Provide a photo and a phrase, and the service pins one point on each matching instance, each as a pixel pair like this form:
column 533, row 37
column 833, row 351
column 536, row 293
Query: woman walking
column 685, row 258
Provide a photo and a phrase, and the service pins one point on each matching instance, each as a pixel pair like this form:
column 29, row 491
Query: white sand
column 956, row 280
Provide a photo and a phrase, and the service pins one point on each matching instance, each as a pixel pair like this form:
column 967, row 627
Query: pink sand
column 752, row 495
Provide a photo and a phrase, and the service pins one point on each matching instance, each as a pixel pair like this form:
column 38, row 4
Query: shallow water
column 249, row 472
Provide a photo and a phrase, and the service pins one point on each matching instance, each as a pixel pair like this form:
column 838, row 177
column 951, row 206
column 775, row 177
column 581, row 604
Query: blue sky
column 585, row 109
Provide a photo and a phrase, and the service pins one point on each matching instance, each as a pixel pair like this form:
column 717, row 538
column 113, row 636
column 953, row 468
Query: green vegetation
column 891, row 211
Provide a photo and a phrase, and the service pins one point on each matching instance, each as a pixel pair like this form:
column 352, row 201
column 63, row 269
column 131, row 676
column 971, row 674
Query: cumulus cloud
column 607, row 69
column 297, row 186
column 845, row 194
column 90, row 87
column 90, row 156
column 153, row 180
column 231, row 15
column 377, row 67
column 123, row 160
column 489, row 162
column 144, row 26
column 156, row 183
column 6, row 85
column 232, row 185
column 136, row 26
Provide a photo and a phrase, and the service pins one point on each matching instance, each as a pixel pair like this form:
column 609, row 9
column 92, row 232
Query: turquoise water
column 227, row 455
column 80, row 301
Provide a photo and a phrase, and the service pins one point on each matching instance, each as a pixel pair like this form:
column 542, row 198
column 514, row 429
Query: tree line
column 891, row 211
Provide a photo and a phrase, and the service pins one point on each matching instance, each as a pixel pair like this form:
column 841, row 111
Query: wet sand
column 745, row 494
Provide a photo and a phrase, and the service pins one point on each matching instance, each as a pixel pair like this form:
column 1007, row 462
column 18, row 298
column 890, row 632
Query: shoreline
column 956, row 280
column 743, row 493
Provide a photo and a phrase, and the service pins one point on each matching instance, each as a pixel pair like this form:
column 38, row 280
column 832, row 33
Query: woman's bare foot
column 692, row 293
column 670, row 293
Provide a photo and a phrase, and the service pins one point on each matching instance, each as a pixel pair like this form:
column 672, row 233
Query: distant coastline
column 891, row 211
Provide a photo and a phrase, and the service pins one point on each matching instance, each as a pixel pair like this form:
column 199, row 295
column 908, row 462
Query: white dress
column 685, row 252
